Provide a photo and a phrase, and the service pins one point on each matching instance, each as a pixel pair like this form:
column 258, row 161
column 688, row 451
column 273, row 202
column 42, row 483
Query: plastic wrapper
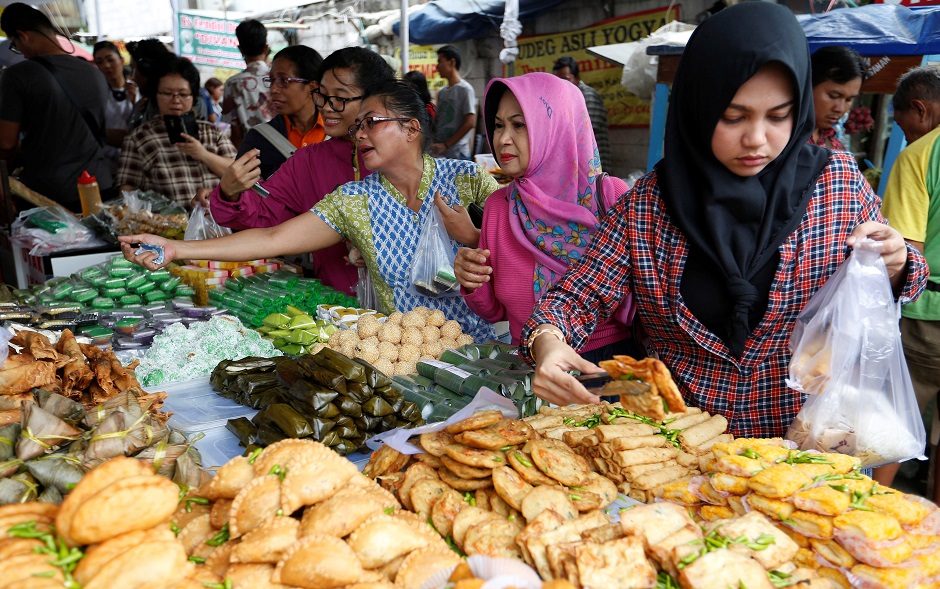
column 139, row 212
column 847, row 355
column 365, row 291
column 46, row 230
column 201, row 225
column 432, row 268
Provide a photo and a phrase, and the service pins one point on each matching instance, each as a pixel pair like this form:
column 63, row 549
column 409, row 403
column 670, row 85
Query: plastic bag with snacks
column 138, row 211
column 847, row 355
column 201, row 225
column 45, row 230
column 432, row 269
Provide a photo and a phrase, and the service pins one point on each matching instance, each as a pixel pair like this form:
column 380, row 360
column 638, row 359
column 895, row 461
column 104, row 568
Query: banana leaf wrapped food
column 375, row 379
column 321, row 375
column 50, row 495
column 9, row 434
column 338, row 363
column 243, row 429
column 19, row 488
column 289, row 421
column 59, row 471
column 41, row 432
column 68, row 410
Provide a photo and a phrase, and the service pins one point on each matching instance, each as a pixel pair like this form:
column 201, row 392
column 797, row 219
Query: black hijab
column 735, row 223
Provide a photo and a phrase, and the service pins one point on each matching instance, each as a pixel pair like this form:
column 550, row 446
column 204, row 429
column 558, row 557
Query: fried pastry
column 478, row 420
column 229, row 479
column 314, row 477
column 506, row 432
column 445, row 510
column 435, row 442
column 475, row 457
column 424, row 493
column 548, row 497
column 493, row 537
column 415, row 473
column 266, row 543
column 510, row 486
column 344, row 511
column 468, row 517
column 464, row 471
column 464, row 484
column 148, row 565
column 522, row 463
column 559, row 462
column 422, row 564
column 619, row 563
column 382, row 538
column 259, row 500
column 319, row 562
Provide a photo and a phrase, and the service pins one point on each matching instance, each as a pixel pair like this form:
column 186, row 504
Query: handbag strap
column 96, row 132
column 278, row 141
column 601, row 205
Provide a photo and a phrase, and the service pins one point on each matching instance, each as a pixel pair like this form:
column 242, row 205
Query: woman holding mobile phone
column 160, row 155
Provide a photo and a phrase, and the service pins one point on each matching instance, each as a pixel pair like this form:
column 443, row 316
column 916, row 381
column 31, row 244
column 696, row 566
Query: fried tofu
column 835, row 576
column 662, row 552
column 740, row 466
column 724, row 568
column 620, row 563
column 811, row 524
column 833, row 552
column 736, row 504
column 754, row 525
column 773, row 508
column 779, row 481
column 898, row 506
column 822, row 500
column 569, row 531
column 869, row 525
column 711, row 513
column 655, row 522
column 729, row 483
column 893, row 578
column 678, row 492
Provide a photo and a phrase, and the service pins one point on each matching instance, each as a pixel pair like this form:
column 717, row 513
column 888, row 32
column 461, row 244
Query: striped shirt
column 597, row 112
column 638, row 250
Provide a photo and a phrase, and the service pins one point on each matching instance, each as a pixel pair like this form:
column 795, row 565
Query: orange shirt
column 316, row 134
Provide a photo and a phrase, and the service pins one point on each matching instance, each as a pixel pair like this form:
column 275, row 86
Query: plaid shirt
column 638, row 250
column 150, row 162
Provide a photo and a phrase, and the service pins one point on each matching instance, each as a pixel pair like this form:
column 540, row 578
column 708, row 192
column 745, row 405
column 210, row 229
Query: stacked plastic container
column 205, row 276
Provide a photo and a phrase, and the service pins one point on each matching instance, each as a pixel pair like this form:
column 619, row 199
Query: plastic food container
column 197, row 408
column 128, row 325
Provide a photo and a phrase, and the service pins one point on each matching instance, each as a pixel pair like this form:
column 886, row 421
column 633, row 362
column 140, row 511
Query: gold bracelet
column 545, row 330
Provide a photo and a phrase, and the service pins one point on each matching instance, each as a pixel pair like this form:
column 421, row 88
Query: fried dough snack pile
column 297, row 514
column 851, row 530
column 640, row 454
column 113, row 530
column 82, row 372
column 483, row 478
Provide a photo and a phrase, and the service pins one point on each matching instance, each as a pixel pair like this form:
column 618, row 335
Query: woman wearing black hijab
column 723, row 244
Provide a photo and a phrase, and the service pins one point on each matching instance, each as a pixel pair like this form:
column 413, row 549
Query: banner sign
column 537, row 53
column 423, row 58
column 206, row 40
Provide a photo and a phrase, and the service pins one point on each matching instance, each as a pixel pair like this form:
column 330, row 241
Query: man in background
column 246, row 102
column 912, row 206
column 567, row 68
column 456, row 109
column 57, row 102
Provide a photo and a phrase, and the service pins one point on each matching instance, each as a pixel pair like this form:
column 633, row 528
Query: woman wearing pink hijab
column 542, row 222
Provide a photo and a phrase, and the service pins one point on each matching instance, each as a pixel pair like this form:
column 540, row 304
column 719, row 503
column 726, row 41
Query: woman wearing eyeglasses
column 381, row 215
column 314, row 170
column 149, row 161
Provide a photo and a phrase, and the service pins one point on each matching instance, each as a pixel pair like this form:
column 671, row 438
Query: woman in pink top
column 313, row 171
column 542, row 222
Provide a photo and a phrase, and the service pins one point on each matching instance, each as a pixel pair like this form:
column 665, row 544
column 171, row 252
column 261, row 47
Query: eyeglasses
column 281, row 81
column 181, row 96
column 370, row 122
column 13, row 46
column 337, row 103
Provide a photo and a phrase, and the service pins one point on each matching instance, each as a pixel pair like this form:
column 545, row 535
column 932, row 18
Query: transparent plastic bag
column 201, row 225
column 136, row 212
column 432, row 270
column 5, row 336
column 847, row 356
column 45, row 230
column 365, row 292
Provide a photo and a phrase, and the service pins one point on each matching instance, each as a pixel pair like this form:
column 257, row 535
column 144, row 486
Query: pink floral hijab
column 554, row 208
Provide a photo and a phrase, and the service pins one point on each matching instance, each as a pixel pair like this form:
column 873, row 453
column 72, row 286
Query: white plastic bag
column 201, row 225
column 639, row 69
column 46, row 230
column 432, row 269
column 847, row 355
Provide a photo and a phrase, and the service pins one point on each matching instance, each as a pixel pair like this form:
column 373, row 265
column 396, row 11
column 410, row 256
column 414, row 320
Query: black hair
column 106, row 46
column 839, row 64
column 307, row 61
column 23, row 17
column 402, row 100
column 919, row 83
column 145, row 54
column 170, row 64
column 212, row 83
column 252, row 37
column 450, row 52
column 568, row 62
column 420, row 83
column 367, row 66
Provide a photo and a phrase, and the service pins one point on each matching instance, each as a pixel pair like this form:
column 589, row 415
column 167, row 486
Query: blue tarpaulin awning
column 449, row 21
column 876, row 29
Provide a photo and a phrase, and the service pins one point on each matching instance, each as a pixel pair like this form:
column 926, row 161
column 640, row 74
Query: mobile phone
column 476, row 214
column 261, row 190
column 176, row 125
